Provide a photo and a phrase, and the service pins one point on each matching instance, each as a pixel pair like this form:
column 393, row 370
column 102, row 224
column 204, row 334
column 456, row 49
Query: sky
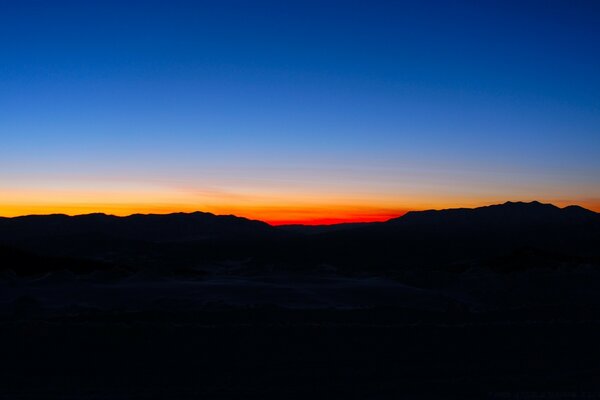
column 297, row 111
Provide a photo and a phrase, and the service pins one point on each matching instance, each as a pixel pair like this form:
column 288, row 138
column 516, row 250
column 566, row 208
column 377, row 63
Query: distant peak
column 578, row 209
column 526, row 203
column 533, row 209
column 97, row 214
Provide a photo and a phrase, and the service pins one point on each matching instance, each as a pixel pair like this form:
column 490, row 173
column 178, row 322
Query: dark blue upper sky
column 444, row 101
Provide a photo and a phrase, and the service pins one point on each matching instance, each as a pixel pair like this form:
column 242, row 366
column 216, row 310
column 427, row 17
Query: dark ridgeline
column 137, row 241
column 147, row 227
column 497, row 299
column 470, row 235
column 420, row 238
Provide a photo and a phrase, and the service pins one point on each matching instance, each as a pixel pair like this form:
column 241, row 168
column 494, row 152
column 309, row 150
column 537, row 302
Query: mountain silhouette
column 513, row 215
column 432, row 238
column 145, row 227
column 515, row 223
column 442, row 237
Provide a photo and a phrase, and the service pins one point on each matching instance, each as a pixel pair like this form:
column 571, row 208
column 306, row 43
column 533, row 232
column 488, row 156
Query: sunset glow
column 295, row 210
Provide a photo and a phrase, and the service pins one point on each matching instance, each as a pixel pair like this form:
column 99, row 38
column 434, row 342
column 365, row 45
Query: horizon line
column 307, row 222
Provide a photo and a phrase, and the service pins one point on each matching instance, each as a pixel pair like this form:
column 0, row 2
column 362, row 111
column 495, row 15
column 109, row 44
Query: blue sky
column 389, row 105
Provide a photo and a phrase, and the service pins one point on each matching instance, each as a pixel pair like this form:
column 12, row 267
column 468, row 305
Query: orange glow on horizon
column 275, row 217
column 273, row 208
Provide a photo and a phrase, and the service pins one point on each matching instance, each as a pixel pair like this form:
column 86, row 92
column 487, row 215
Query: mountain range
column 418, row 238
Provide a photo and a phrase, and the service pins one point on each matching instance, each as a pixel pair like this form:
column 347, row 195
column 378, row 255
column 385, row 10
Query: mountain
column 508, row 232
column 510, row 215
column 166, row 241
column 141, row 227
column 512, row 223
column 437, row 239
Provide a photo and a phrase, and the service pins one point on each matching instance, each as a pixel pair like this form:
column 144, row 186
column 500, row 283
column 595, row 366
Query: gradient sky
column 297, row 111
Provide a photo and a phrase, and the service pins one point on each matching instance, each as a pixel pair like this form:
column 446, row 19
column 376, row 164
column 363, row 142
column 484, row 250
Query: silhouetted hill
column 437, row 238
column 145, row 227
column 510, row 215
column 524, row 224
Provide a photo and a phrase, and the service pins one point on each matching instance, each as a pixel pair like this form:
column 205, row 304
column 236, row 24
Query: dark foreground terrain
column 498, row 302
column 298, row 356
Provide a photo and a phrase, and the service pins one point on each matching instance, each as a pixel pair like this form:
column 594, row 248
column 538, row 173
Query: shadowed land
column 472, row 302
